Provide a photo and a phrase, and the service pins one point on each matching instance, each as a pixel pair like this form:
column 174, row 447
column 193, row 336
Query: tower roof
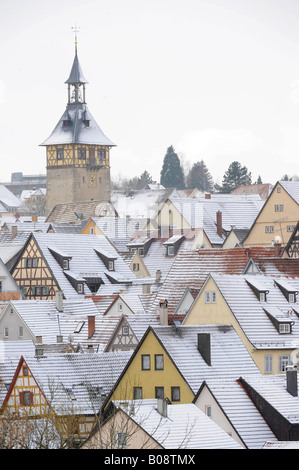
column 72, row 128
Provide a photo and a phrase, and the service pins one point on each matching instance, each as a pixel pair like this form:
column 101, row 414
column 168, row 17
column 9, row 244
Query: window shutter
column 22, row 400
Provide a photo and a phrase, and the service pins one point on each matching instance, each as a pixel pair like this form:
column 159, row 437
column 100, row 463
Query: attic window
column 287, row 290
column 107, row 259
column 259, row 290
column 79, row 327
column 80, row 288
column 282, row 322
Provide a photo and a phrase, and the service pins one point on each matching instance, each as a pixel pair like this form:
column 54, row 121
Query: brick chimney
column 219, row 223
column 91, row 325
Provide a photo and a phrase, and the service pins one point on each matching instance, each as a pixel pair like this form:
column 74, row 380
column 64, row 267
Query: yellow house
column 262, row 310
column 277, row 218
column 172, row 362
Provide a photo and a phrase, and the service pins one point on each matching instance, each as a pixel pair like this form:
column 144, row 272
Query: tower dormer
column 78, row 152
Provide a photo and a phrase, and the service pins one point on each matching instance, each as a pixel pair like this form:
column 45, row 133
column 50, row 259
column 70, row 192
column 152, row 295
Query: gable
column 149, row 379
column 276, row 219
column 24, row 393
column 32, row 273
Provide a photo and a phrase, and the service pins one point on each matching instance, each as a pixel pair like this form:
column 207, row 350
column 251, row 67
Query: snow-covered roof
column 184, row 427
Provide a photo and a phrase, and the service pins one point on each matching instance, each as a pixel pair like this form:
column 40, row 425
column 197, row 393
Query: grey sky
column 217, row 79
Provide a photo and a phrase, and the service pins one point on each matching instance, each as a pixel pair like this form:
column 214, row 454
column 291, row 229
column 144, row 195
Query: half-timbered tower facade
column 78, row 152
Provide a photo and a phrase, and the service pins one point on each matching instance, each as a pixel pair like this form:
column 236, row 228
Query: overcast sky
column 216, row 79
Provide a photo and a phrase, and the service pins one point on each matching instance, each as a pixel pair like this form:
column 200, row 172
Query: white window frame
column 284, row 328
column 284, row 361
column 210, row 297
column 268, row 364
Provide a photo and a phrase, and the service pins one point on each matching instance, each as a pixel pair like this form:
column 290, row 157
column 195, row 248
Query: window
column 292, row 298
column 91, row 230
column 279, row 189
column 284, row 328
column 269, row 228
column 279, row 207
column 208, row 410
column 290, row 228
column 146, row 361
column 21, row 332
column 262, row 297
column 82, row 153
column 34, row 262
column 120, row 307
column 175, row 394
column 25, row 371
column 137, row 393
column 121, row 440
column 65, row 264
column 80, row 288
column 59, row 154
column 101, row 155
column 111, row 265
column 26, row 398
column 135, row 266
column 268, row 364
column 6, row 332
column 125, row 330
column 170, row 250
column 210, row 297
column 159, row 392
column 284, row 361
column 159, row 362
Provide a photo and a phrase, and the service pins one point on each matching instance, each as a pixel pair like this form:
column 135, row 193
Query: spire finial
column 76, row 30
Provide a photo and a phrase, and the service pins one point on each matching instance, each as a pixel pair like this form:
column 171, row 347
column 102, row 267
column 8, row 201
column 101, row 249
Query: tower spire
column 76, row 79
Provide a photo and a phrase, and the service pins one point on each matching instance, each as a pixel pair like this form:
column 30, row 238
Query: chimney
column 59, row 300
column 204, row 346
column 91, row 325
column 292, row 384
column 162, row 407
column 277, row 247
column 163, row 307
column 14, row 231
column 146, row 289
column 219, row 223
column 207, row 196
column 39, row 340
column 90, row 349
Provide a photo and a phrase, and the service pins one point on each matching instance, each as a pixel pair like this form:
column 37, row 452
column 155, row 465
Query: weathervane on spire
column 76, row 30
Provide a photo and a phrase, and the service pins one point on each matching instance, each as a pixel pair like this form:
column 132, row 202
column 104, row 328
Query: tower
column 78, row 152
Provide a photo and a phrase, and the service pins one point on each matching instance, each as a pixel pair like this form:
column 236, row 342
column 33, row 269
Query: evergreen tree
column 235, row 176
column 259, row 180
column 200, row 178
column 172, row 175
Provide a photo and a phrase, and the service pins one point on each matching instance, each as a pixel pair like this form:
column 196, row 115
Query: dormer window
column 111, row 265
column 62, row 258
column 80, row 288
column 108, row 260
column 284, row 328
column 281, row 321
column 259, row 290
column 287, row 290
column 173, row 244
